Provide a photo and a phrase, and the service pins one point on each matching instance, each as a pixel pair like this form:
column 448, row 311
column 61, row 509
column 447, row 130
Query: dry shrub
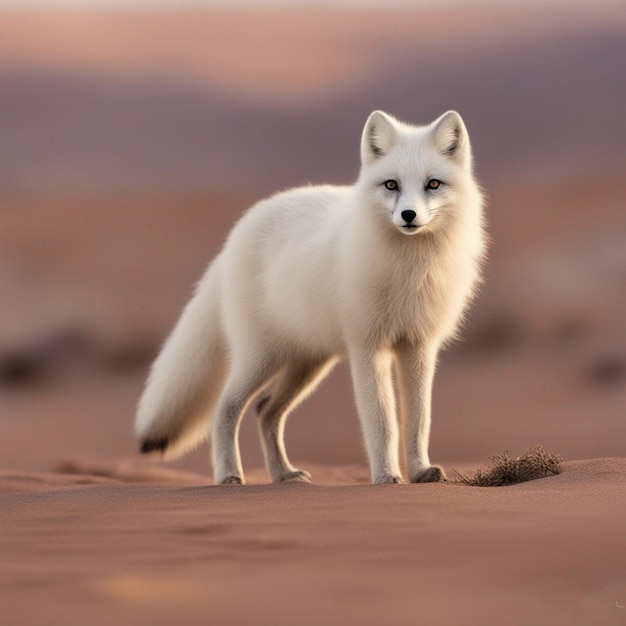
column 507, row 471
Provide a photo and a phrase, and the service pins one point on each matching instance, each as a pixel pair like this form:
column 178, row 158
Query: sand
column 77, row 549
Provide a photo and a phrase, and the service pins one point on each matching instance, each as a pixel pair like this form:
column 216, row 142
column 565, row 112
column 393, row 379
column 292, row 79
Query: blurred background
column 134, row 134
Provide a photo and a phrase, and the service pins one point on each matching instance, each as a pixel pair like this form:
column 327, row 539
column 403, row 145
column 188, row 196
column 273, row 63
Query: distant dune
column 220, row 95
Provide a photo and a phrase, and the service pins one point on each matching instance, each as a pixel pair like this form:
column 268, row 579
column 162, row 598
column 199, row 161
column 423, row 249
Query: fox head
column 415, row 175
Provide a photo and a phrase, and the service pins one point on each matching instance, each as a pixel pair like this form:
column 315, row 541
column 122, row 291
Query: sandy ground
column 78, row 550
column 99, row 250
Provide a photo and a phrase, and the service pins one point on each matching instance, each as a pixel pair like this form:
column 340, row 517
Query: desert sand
column 130, row 145
column 78, row 549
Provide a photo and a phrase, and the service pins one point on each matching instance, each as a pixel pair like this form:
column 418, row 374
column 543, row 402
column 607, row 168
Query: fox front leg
column 373, row 387
column 416, row 372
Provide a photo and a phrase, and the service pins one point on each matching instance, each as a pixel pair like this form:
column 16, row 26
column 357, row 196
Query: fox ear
column 378, row 137
column 450, row 135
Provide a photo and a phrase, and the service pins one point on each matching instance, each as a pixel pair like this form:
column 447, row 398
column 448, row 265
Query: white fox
column 380, row 272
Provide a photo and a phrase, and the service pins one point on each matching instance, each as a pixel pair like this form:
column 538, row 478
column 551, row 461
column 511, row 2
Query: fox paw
column 232, row 480
column 299, row 476
column 388, row 479
column 432, row 474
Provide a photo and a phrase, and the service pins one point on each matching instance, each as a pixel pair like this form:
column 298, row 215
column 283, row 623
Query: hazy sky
column 34, row 4
column 180, row 3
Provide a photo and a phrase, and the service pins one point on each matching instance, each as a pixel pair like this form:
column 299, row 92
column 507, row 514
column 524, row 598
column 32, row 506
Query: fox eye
column 392, row 185
column 433, row 183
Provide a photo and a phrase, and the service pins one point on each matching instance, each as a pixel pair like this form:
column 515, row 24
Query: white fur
column 316, row 274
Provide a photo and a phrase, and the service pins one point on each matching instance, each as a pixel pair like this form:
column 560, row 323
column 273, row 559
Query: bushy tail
column 186, row 379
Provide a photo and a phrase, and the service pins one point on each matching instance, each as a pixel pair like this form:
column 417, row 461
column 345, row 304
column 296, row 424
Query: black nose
column 408, row 216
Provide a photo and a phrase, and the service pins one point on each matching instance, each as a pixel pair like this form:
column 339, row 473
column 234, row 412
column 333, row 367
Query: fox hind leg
column 296, row 381
column 241, row 386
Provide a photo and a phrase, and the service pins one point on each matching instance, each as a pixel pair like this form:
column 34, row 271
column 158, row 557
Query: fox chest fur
column 413, row 291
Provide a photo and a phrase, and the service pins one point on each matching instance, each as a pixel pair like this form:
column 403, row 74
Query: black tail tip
column 153, row 445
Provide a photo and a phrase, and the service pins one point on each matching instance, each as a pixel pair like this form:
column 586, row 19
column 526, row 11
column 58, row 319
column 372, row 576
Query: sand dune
column 549, row 551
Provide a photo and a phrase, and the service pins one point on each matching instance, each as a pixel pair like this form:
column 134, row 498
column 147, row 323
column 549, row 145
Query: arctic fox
column 379, row 272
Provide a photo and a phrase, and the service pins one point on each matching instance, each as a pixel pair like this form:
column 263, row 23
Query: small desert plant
column 507, row 471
